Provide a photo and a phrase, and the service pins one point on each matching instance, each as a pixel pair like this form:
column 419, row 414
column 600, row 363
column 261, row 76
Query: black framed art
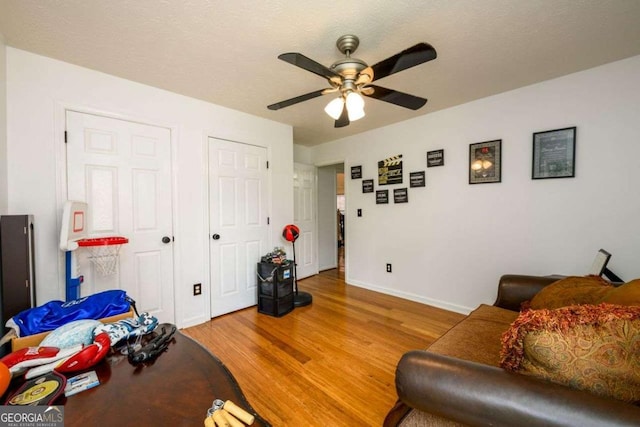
column 382, row 197
column 417, row 179
column 554, row 154
column 390, row 170
column 367, row 186
column 435, row 158
column 400, row 195
column 485, row 162
column 356, row 172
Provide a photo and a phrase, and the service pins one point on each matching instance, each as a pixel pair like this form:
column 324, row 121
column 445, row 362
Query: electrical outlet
column 197, row 289
column 359, row 212
column 388, row 268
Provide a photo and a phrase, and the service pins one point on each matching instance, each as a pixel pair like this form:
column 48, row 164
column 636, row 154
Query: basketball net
column 104, row 253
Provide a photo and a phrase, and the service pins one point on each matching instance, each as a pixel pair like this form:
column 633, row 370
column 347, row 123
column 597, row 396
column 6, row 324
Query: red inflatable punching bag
column 291, row 233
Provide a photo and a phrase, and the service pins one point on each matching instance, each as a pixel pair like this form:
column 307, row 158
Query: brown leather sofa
column 457, row 380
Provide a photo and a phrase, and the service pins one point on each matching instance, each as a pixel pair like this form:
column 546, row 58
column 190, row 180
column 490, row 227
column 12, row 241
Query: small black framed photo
column 485, row 162
column 382, row 197
column 400, row 195
column 435, row 158
column 554, row 154
column 356, row 172
column 417, row 179
column 367, row 186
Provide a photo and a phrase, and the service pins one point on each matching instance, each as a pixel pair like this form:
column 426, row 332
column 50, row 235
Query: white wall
column 40, row 88
column 327, row 220
column 301, row 154
column 452, row 241
column 3, row 127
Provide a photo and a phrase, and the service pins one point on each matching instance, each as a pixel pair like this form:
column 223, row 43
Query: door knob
column 216, row 236
column 166, row 239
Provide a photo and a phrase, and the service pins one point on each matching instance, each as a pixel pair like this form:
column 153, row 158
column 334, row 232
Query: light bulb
column 334, row 108
column 354, row 101
column 355, row 114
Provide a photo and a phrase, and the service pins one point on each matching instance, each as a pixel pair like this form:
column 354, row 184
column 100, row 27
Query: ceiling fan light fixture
column 354, row 101
column 355, row 113
column 334, row 108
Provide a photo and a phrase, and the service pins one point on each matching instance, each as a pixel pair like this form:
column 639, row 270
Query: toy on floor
column 227, row 414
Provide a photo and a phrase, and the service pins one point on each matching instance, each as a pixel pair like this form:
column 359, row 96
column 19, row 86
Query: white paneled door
column 304, row 216
column 122, row 170
column 238, row 218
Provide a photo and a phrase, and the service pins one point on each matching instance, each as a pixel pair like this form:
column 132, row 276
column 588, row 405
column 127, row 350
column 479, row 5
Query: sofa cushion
column 627, row 294
column 477, row 337
column 587, row 347
column 572, row 290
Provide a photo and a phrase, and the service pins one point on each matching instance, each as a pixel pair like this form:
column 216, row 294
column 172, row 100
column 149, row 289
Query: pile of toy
column 277, row 256
column 76, row 341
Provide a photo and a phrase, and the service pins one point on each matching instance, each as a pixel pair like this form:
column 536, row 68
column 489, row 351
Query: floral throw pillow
column 587, row 347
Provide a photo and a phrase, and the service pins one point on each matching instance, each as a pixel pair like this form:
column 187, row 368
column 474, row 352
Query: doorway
column 331, row 217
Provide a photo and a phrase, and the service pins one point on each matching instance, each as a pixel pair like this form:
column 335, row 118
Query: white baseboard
column 412, row 297
column 327, row 267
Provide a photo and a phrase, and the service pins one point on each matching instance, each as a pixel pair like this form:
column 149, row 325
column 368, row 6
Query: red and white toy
column 42, row 360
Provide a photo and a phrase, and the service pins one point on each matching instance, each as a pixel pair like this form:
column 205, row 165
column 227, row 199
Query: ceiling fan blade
column 299, row 60
column 343, row 120
column 394, row 97
column 415, row 55
column 297, row 99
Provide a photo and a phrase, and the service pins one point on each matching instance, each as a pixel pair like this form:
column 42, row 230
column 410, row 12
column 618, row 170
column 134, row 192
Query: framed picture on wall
column 435, row 158
column 367, row 186
column 390, row 170
column 554, row 154
column 485, row 162
column 400, row 195
column 382, row 197
column 417, row 179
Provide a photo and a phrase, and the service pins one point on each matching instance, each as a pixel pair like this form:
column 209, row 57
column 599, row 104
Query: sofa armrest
column 514, row 289
column 476, row 394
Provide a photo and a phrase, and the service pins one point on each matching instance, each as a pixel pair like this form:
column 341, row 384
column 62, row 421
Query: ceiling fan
column 351, row 78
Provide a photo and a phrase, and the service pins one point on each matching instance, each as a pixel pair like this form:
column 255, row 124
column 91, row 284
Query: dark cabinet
column 275, row 288
column 17, row 266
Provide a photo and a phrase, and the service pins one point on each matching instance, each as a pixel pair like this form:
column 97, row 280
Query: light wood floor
column 328, row 364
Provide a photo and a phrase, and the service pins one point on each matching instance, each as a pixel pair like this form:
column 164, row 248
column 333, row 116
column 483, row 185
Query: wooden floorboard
column 328, row 364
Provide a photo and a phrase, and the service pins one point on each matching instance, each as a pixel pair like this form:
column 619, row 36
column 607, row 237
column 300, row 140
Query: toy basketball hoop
column 103, row 252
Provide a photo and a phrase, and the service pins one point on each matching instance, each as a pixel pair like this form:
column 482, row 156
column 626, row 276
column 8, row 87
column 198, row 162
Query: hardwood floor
column 328, row 364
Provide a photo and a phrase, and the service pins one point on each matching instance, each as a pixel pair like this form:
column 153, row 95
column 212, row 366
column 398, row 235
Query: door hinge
column 65, row 136
column 267, row 164
column 268, row 221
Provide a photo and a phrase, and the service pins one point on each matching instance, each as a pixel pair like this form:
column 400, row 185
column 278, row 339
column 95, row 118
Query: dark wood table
column 175, row 389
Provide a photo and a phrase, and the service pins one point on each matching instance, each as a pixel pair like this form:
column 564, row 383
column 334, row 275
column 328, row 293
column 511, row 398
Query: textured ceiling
column 225, row 52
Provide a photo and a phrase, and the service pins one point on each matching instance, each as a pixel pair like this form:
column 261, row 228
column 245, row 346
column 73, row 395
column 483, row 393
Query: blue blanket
column 53, row 314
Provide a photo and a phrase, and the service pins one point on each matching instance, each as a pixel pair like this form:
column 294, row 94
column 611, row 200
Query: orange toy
column 5, row 378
